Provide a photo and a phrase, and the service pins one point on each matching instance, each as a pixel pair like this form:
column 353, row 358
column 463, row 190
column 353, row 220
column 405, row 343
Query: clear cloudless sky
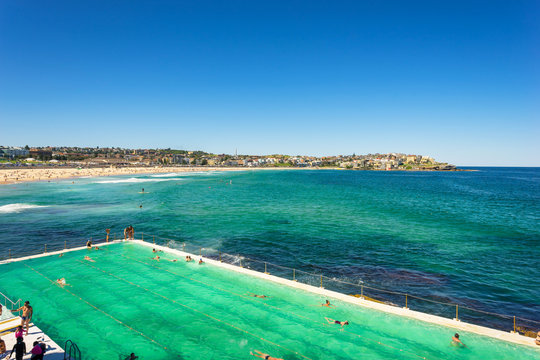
column 457, row 80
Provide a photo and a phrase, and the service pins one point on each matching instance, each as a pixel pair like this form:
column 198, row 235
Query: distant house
column 41, row 154
column 12, row 152
column 411, row 159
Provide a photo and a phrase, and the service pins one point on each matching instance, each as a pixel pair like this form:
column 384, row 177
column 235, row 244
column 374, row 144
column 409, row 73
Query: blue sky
column 458, row 80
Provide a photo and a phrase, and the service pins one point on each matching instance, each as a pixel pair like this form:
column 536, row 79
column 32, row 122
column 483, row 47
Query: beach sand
column 10, row 176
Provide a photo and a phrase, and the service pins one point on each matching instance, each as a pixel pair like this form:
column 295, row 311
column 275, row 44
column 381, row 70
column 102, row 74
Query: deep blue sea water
column 471, row 238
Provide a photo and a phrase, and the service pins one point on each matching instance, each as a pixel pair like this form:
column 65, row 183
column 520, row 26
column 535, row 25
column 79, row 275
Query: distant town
column 119, row 157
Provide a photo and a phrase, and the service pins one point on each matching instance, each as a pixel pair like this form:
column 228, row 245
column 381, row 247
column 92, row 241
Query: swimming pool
column 125, row 302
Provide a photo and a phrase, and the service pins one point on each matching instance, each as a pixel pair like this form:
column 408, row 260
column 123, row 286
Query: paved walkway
column 7, row 333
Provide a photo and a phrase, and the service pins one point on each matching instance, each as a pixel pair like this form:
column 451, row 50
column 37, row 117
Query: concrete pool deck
column 433, row 319
column 7, row 331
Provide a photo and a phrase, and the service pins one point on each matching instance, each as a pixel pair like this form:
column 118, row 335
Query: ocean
column 469, row 238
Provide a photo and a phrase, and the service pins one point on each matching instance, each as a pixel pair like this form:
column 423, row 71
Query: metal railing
column 359, row 289
column 6, row 300
column 72, row 352
column 59, row 246
column 458, row 312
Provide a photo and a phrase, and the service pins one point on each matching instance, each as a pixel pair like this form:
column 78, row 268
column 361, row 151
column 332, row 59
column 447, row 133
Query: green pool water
column 125, row 302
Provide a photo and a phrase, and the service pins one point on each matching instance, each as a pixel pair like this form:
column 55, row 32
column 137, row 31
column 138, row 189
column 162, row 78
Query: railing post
column 457, row 319
column 65, row 244
column 10, row 254
column 321, row 282
column 114, row 236
column 142, row 236
column 515, row 332
column 241, row 263
column 200, row 251
column 220, row 256
column 154, row 239
column 266, row 272
column 294, row 274
column 45, row 247
column 406, row 301
column 362, row 291
column 184, row 247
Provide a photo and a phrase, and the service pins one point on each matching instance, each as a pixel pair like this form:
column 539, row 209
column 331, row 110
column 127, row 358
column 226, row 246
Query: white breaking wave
column 165, row 175
column 135, row 180
column 16, row 208
column 190, row 173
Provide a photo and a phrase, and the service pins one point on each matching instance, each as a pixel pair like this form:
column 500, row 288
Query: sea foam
column 16, row 208
column 165, row 175
column 135, row 180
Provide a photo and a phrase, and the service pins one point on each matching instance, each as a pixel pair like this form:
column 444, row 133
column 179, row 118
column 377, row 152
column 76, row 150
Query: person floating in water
column 188, row 258
column 88, row 258
column 174, row 260
column 62, row 254
column 258, row 296
column 332, row 321
column 156, row 258
column 62, row 282
column 201, row 261
column 456, row 341
column 263, row 355
column 132, row 355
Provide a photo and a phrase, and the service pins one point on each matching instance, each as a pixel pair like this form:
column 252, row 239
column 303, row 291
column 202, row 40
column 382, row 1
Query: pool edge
column 515, row 338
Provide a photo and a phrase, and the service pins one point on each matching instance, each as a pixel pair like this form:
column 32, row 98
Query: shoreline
column 24, row 175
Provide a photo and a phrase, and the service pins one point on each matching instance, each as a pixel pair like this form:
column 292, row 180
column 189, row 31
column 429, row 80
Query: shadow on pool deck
column 7, row 329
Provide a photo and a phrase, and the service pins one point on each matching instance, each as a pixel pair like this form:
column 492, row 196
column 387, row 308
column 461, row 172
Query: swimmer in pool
column 456, row 341
column 62, row 282
column 201, row 261
column 88, row 258
column 332, row 321
column 188, row 258
column 156, row 258
column 327, row 304
column 258, row 296
column 173, row 260
column 263, row 355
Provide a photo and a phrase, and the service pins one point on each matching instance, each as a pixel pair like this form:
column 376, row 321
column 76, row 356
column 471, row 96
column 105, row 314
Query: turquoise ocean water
column 470, row 238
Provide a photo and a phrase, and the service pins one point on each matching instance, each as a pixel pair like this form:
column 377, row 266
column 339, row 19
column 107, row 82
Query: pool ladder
column 73, row 352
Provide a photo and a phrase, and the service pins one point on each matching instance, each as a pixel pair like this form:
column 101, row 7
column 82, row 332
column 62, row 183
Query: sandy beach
column 11, row 176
